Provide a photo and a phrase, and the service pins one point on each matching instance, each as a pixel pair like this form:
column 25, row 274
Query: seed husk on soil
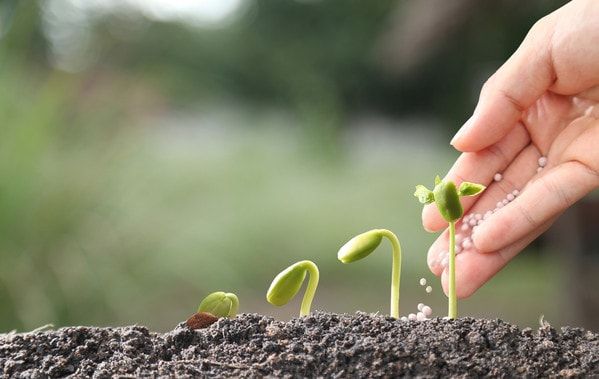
column 322, row 344
column 201, row 320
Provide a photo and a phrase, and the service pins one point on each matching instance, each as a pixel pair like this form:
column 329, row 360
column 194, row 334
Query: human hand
column 543, row 102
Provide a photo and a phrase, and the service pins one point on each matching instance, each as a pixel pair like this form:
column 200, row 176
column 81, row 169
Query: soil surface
column 323, row 344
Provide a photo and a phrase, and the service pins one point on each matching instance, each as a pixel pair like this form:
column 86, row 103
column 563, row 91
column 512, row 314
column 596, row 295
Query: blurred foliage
column 184, row 160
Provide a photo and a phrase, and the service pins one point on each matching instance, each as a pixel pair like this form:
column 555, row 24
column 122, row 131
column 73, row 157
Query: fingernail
column 467, row 125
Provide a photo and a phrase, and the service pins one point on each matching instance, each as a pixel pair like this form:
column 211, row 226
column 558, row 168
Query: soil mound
column 322, row 344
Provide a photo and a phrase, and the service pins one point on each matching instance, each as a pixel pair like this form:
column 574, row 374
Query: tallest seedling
column 447, row 197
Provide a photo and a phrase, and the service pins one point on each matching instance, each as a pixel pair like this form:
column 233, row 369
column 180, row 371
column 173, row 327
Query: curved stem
column 311, row 288
column 396, row 271
column 453, row 301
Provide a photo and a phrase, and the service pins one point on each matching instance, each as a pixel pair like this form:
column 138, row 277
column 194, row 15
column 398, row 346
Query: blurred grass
column 118, row 208
column 106, row 223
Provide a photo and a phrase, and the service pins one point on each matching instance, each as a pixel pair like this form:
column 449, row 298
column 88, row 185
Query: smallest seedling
column 220, row 304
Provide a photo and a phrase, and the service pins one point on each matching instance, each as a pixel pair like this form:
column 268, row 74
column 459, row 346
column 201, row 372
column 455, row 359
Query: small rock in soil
column 320, row 345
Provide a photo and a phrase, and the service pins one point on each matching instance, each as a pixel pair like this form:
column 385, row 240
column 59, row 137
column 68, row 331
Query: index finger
column 516, row 85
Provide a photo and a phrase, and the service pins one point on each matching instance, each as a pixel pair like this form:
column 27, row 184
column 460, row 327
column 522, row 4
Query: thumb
column 518, row 83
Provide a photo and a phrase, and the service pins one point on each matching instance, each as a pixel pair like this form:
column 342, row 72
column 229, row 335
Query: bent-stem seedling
column 289, row 281
column 447, row 198
column 220, row 304
column 363, row 244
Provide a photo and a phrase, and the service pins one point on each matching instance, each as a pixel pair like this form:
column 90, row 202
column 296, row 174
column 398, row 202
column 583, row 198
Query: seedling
column 447, row 198
column 363, row 244
column 289, row 281
column 220, row 304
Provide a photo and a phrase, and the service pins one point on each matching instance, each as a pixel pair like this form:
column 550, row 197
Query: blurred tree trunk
column 574, row 236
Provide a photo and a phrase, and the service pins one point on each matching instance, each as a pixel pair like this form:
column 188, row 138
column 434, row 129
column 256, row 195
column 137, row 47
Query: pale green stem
column 396, row 271
column 453, row 301
column 310, row 289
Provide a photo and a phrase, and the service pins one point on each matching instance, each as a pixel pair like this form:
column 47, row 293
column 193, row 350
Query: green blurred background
column 154, row 151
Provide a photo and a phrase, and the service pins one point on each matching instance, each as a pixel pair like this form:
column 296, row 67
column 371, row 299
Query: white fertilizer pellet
column 412, row 317
column 478, row 217
column 428, row 311
column 429, row 289
column 420, row 316
column 542, row 161
column 510, row 197
column 499, row 204
column 515, row 192
column 444, row 263
column 472, row 222
column 497, row 177
column 464, row 227
column 422, row 281
column 404, row 318
column 505, row 201
column 420, row 306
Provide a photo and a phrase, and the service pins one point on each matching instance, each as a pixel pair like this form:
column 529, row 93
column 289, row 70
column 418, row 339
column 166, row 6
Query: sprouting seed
column 422, row 281
column 289, row 281
column 220, row 304
column 363, row 244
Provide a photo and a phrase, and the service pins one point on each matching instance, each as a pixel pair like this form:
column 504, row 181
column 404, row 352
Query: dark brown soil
column 323, row 344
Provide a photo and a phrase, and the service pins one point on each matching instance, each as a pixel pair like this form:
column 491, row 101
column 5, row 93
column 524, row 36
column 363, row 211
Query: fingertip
column 445, row 282
column 473, row 141
column 491, row 235
column 466, row 140
column 433, row 261
column 480, row 241
column 431, row 220
column 465, row 291
column 465, row 286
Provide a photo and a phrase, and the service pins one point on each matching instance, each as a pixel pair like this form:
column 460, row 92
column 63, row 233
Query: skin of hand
column 543, row 101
